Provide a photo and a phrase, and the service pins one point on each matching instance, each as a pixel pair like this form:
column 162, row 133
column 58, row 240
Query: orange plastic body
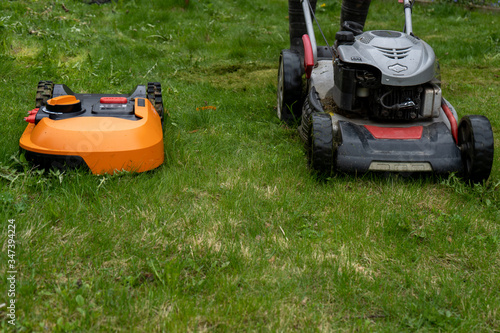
column 106, row 144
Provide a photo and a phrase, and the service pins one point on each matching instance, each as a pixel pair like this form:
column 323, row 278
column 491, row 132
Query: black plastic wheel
column 305, row 124
column 312, row 104
column 154, row 96
column 321, row 154
column 475, row 140
column 43, row 93
column 289, row 93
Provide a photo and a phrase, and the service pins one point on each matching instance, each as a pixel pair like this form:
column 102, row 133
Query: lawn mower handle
column 310, row 28
column 408, row 24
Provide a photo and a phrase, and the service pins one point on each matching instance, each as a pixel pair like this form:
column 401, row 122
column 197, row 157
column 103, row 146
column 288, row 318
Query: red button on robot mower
column 113, row 100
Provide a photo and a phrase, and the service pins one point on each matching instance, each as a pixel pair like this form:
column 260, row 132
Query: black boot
column 297, row 23
column 353, row 15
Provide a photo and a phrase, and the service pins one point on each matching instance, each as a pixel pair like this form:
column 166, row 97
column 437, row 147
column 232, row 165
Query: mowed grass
column 233, row 232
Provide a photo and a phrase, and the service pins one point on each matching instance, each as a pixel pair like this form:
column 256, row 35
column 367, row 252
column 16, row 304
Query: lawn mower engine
column 385, row 75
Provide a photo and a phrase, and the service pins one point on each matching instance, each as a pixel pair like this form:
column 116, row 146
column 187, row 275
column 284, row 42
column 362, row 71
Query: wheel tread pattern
column 305, row 124
column 291, row 106
column 43, row 93
column 155, row 97
column 476, row 141
column 322, row 152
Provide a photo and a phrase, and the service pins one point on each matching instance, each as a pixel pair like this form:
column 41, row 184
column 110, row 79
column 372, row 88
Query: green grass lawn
column 233, row 232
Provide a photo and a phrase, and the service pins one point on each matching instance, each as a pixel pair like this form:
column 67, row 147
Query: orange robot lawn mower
column 107, row 133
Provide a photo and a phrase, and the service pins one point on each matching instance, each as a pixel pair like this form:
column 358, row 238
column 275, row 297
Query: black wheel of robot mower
column 43, row 93
column 321, row 152
column 289, row 93
column 475, row 140
column 154, row 96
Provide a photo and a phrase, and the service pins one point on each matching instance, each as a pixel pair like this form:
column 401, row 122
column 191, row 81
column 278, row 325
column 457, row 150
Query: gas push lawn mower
column 105, row 132
column 373, row 101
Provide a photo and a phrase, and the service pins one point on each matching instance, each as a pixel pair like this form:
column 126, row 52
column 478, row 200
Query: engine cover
column 402, row 59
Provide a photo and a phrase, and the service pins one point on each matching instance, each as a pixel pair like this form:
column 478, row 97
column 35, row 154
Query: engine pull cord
column 319, row 27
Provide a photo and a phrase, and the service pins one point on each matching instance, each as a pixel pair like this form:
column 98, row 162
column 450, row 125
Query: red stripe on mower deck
column 396, row 133
column 113, row 100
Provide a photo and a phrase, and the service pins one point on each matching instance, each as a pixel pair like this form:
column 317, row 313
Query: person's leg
column 352, row 18
column 353, row 15
column 297, row 23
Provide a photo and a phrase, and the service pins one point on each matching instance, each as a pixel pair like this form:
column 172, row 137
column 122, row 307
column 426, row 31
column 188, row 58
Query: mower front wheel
column 475, row 140
column 322, row 148
column 289, row 93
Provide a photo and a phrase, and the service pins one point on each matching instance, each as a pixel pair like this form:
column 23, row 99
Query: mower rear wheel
column 289, row 93
column 43, row 93
column 475, row 140
column 154, row 96
column 321, row 154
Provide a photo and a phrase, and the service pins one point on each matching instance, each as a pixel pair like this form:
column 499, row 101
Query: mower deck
column 362, row 145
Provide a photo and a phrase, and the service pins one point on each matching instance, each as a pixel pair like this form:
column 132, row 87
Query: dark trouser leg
column 353, row 15
column 297, row 23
